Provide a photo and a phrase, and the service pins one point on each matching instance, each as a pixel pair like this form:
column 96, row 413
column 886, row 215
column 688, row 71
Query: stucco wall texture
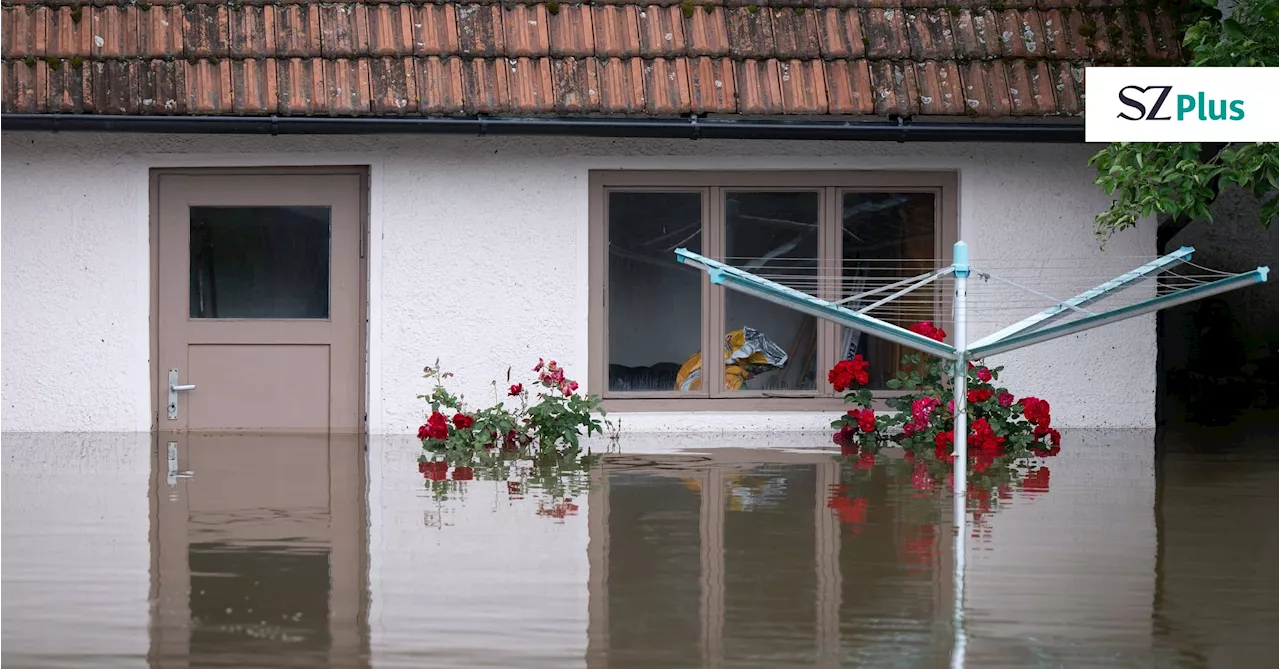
column 478, row 256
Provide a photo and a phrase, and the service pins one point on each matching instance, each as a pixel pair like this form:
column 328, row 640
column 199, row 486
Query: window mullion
column 713, row 306
column 829, row 270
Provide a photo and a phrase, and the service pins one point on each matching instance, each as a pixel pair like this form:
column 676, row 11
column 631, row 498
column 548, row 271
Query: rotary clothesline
column 1094, row 307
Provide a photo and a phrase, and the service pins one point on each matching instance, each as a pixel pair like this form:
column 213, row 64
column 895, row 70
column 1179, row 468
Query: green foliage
column 548, row 421
column 1174, row 179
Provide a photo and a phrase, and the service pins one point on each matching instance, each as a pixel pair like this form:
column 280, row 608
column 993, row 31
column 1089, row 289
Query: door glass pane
column 655, row 303
column 259, row 262
column 887, row 236
column 767, row 346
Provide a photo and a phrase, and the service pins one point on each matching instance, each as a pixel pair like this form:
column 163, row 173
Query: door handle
column 174, row 389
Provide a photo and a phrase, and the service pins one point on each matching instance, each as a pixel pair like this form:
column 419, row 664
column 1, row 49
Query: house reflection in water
column 259, row 550
column 721, row 560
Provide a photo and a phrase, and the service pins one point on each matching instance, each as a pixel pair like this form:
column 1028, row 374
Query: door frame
column 159, row 396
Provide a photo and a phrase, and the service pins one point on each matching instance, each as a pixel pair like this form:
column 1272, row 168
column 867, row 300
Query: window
column 653, row 320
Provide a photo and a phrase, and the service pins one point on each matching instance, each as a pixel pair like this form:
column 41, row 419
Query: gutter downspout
column 899, row 130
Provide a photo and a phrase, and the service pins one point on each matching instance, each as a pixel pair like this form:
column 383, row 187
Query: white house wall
column 479, row 257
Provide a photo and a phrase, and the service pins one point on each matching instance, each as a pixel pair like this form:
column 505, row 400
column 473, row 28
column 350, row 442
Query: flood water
column 318, row 551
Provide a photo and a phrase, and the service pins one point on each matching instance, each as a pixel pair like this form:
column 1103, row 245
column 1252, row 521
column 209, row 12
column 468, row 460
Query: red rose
column 437, row 426
column 980, row 395
column 848, row 372
column 1004, row 399
column 462, row 421
column 462, row 473
column 983, row 374
column 422, row 432
column 867, row 420
column 538, row 367
column 983, row 438
column 516, row 389
column 926, row 329
column 1036, row 410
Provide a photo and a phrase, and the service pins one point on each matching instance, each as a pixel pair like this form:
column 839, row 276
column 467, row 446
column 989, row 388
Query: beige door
column 259, row 282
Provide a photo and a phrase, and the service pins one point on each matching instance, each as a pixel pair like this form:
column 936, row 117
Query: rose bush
column 1004, row 433
column 549, row 421
column 533, row 445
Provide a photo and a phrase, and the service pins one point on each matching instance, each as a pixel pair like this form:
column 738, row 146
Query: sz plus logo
column 1182, row 104
column 1141, row 107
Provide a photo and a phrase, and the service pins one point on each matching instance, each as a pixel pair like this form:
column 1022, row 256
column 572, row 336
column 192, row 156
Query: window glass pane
column 259, row 262
column 655, row 303
column 768, row 346
column 887, row 236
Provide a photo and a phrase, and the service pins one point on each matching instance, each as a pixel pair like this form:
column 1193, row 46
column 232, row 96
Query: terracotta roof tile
column 209, row 86
column 67, row 86
column 622, row 86
column 849, row 87
column 711, row 85
column 253, row 86
column 576, row 85
column 302, row 86
column 976, row 34
column 205, row 33
column 804, row 87
column 67, row 36
column 300, row 35
column 435, row 30
column 480, row 30
column 571, row 32
column 666, row 86
column 115, row 86
column 24, row 31
column 524, row 29
column 750, row 33
column 484, row 86
column 795, row 34
column 896, row 90
column 162, row 87
column 840, row 35
column 440, row 85
column 941, row 90
column 26, row 87
column 529, row 81
column 395, row 85
column 986, row 88
column 886, row 34
column 759, row 86
column 254, row 32
column 655, row 57
column 662, row 32
column 617, row 30
column 391, row 30
column 344, row 30
column 707, row 32
column 348, row 82
column 1068, row 85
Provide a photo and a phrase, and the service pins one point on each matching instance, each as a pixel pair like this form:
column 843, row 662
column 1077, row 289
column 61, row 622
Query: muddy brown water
column 317, row 551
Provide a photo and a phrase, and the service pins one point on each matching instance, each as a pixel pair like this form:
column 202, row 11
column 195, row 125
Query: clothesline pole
column 960, row 265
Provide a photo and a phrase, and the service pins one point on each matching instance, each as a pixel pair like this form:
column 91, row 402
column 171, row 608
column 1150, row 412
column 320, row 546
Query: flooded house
column 288, row 209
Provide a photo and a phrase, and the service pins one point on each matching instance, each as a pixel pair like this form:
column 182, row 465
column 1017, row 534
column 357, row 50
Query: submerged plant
column 534, row 444
column 1004, row 433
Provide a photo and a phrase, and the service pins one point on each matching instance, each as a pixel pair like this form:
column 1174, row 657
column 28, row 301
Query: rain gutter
column 900, row 130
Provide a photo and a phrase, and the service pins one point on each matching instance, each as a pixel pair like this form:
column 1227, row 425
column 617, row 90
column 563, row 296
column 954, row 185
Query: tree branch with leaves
column 1182, row 180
